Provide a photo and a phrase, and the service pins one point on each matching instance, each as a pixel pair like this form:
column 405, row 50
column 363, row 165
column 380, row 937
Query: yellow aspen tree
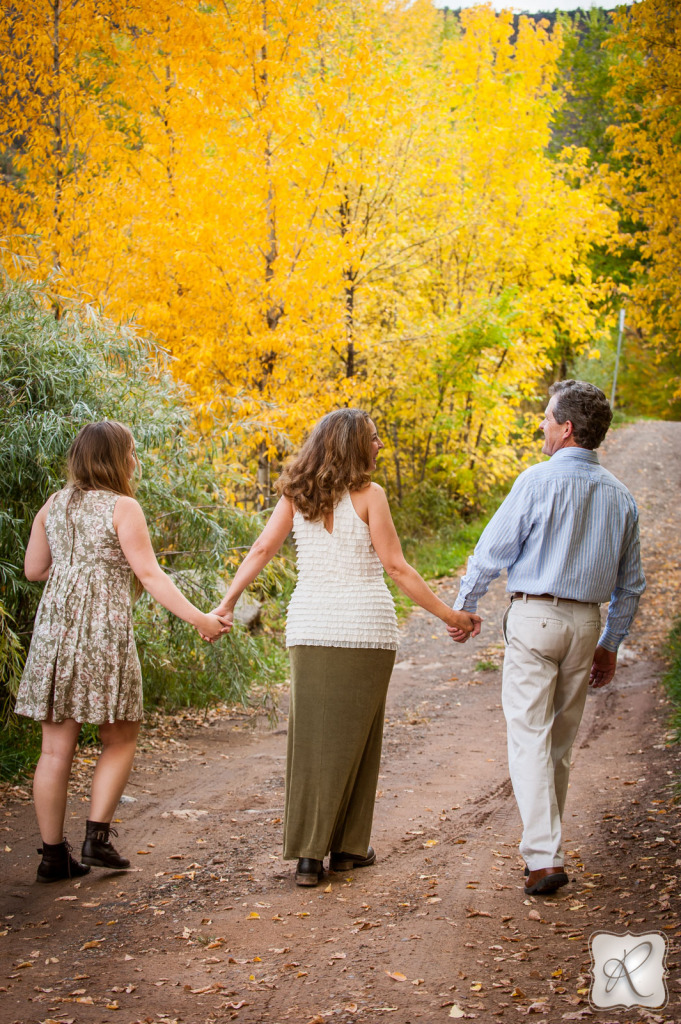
column 646, row 177
column 225, row 230
column 509, row 231
column 377, row 98
column 51, row 131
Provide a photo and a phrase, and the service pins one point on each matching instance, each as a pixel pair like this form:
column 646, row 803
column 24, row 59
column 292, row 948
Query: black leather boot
column 349, row 861
column 309, row 871
column 57, row 863
column 98, row 851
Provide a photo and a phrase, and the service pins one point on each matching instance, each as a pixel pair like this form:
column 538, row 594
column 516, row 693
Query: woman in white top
column 342, row 636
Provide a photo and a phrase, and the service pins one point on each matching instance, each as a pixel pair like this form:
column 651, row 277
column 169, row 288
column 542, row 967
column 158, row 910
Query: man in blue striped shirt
column 568, row 535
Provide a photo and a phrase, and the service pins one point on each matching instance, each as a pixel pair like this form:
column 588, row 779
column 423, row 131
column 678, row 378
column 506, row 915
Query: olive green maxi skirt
column 335, row 733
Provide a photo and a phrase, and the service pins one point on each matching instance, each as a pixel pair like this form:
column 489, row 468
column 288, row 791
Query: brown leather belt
column 519, row 596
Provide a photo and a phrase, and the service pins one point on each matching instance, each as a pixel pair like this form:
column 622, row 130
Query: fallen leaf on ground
column 396, row 975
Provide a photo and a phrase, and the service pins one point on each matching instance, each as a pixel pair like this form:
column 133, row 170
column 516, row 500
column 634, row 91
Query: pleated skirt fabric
column 335, row 736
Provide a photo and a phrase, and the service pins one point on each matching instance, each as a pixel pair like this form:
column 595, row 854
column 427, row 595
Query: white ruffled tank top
column 340, row 599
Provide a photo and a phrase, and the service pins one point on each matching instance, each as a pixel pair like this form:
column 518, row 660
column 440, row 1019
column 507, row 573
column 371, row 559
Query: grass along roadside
column 672, row 679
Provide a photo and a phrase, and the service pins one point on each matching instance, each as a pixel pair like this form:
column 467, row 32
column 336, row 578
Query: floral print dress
column 83, row 663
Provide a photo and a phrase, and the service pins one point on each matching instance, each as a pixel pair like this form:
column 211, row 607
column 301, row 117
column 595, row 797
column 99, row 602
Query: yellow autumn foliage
column 647, row 180
column 311, row 205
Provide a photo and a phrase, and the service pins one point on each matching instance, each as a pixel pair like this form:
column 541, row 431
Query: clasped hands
column 225, row 620
column 463, row 626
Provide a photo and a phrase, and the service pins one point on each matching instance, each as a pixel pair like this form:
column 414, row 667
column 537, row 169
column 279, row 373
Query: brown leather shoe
column 545, row 880
column 348, row 861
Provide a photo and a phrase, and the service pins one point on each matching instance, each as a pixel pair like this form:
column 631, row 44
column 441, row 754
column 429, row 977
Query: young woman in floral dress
column 87, row 541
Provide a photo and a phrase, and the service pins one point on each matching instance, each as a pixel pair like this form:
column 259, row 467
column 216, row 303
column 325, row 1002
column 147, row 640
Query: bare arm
column 388, row 548
column 131, row 527
column 38, row 557
column 263, row 550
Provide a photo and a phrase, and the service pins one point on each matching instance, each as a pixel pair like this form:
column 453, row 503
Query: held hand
column 227, row 620
column 603, row 667
column 463, row 625
column 477, row 623
column 214, row 626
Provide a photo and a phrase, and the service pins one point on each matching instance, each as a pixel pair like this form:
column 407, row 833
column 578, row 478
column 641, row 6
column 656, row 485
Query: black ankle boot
column 309, row 871
column 57, row 863
column 98, row 851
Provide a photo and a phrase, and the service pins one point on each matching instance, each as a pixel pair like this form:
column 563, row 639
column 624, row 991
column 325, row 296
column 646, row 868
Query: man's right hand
column 603, row 667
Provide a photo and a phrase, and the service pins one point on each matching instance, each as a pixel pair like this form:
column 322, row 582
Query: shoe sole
column 94, row 863
column 307, row 879
column 350, row 865
column 61, row 878
column 547, row 885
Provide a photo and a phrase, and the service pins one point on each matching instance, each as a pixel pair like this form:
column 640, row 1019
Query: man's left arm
column 623, row 604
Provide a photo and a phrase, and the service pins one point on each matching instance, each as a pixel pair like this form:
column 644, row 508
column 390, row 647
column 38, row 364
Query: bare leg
column 119, row 741
column 51, row 779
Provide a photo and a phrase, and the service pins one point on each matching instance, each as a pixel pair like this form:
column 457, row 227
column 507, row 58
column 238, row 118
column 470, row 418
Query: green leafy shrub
column 57, row 373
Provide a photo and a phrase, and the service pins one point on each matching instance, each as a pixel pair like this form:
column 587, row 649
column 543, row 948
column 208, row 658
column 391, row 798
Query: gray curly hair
column 586, row 407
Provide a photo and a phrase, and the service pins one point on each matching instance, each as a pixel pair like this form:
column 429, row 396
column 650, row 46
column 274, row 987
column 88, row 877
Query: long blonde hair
column 336, row 457
column 99, row 458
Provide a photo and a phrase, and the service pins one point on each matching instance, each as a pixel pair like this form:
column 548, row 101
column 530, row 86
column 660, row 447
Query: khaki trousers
column 335, row 735
column 550, row 646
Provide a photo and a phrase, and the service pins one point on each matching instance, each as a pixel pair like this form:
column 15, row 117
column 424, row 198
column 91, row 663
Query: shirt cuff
column 610, row 641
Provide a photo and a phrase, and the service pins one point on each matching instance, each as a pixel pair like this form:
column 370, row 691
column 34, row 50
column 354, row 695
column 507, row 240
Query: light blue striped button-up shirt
column 568, row 528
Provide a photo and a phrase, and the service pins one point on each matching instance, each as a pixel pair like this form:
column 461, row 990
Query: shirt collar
column 581, row 454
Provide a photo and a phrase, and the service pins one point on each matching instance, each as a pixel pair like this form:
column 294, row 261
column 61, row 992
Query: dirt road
column 209, row 925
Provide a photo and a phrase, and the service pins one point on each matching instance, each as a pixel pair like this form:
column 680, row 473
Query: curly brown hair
column 99, row 458
column 336, row 457
column 586, row 407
